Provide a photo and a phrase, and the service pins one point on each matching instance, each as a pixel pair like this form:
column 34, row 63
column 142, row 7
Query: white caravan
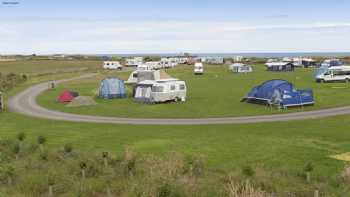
column 240, row 68
column 154, row 65
column 333, row 74
column 112, row 65
column 143, row 67
column 198, row 68
column 168, row 62
column 158, row 91
column 136, row 61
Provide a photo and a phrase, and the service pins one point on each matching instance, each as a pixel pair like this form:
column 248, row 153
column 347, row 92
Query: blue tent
column 280, row 93
column 112, row 88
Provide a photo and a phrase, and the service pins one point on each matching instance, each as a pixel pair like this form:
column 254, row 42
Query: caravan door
column 143, row 92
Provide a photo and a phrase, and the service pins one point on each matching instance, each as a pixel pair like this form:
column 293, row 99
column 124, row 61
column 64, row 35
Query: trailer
column 198, row 68
column 159, row 91
column 112, row 65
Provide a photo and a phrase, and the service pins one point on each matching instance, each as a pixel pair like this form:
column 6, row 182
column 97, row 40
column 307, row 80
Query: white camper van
column 157, row 91
column 112, row 65
column 198, row 68
column 332, row 74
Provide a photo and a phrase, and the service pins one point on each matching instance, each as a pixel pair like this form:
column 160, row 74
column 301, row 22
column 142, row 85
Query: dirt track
column 25, row 103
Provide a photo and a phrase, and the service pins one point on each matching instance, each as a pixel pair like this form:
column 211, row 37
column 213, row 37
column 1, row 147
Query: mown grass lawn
column 215, row 94
column 284, row 146
column 278, row 147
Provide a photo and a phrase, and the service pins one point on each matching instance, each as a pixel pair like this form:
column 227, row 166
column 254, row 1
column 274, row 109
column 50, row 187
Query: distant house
column 280, row 66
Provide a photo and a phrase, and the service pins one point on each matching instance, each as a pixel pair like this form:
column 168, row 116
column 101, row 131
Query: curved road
column 25, row 103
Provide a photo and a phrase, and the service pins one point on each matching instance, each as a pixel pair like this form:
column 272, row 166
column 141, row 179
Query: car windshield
column 321, row 71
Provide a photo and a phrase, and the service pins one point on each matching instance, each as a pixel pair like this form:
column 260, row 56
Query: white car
column 198, row 69
column 112, row 65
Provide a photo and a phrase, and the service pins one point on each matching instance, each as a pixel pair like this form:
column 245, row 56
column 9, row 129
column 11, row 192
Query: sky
column 173, row 26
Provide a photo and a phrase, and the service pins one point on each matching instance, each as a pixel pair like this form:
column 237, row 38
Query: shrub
column 248, row 171
column 21, row 136
column 68, row 148
column 41, row 139
column 194, row 165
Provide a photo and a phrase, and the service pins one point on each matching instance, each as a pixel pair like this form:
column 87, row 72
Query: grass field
column 48, row 66
column 282, row 147
column 215, row 94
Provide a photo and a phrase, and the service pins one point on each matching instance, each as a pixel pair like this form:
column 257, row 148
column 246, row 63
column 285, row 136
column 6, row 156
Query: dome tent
column 280, row 93
column 67, row 96
column 112, row 88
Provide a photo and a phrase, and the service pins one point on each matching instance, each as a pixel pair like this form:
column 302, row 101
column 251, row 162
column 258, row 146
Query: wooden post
column 316, row 193
column 2, row 105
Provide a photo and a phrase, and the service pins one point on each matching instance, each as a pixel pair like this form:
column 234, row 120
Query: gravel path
column 25, row 103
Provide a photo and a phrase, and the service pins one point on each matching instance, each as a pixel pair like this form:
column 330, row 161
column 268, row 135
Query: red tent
column 66, row 96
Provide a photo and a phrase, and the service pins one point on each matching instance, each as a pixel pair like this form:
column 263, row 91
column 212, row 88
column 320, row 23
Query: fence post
column 2, row 105
column 316, row 193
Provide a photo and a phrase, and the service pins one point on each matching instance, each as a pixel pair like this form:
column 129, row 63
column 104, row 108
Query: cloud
column 100, row 36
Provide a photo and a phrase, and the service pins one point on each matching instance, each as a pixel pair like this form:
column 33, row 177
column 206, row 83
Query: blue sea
column 260, row 55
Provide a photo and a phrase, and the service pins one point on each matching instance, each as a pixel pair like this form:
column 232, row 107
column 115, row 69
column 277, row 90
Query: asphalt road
column 25, row 103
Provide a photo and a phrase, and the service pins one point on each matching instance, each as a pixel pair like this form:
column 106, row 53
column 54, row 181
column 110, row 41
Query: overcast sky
column 172, row 26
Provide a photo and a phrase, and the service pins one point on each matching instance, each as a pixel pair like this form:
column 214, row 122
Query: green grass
column 279, row 146
column 215, row 94
column 48, row 66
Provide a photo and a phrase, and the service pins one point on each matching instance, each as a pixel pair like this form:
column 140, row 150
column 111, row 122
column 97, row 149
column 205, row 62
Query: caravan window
column 172, row 87
column 182, row 86
column 157, row 89
column 134, row 75
column 341, row 73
